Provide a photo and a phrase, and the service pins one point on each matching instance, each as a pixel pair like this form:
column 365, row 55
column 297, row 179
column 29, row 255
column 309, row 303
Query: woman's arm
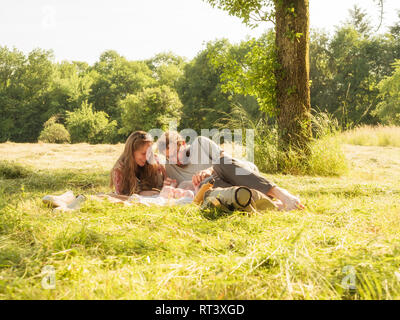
column 117, row 180
column 167, row 181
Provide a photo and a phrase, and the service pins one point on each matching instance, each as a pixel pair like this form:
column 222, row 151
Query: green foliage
column 116, row 78
column 71, row 86
column 200, row 90
column 350, row 75
column 347, row 67
column 167, row 68
column 252, row 12
column 25, row 83
column 249, row 69
column 324, row 157
column 54, row 132
column 150, row 108
column 360, row 21
column 388, row 110
column 86, row 125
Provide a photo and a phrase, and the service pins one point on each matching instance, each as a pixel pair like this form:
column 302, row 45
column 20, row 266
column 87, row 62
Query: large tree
column 291, row 18
column 116, row 78
column 292, row 76
column 25, row 84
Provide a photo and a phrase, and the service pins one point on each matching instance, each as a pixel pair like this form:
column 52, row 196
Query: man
column 205, row 158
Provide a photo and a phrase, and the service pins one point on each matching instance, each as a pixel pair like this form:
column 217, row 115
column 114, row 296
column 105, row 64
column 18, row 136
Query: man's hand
column 170, row 182
column 200, row 176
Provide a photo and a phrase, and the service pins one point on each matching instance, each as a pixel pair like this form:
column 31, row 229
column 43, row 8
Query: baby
column 184, row 190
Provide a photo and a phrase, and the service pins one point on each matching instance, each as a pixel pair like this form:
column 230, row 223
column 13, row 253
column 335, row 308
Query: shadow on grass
column 217, row 213
column 13, row 170
column 13, row 176
column 100, row 243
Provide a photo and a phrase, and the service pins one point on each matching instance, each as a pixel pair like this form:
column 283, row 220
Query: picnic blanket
column 146, row 200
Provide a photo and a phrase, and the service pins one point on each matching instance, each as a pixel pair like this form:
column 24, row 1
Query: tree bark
column 293, row 88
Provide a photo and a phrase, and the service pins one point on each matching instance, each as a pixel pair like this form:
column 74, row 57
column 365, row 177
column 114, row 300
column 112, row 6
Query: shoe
column 74, row 205
column 59, row 201
column 238, row 198
column 200, row 195
column 231, row 198
column 260, row 201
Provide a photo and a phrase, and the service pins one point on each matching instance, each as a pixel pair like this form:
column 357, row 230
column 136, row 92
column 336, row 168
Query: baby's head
column 169, row 192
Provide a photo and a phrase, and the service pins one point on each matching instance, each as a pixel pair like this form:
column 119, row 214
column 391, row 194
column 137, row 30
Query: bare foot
column 294, row 203
column 288, row 201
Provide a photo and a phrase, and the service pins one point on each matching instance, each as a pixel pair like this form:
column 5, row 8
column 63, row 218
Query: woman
column 137, row 170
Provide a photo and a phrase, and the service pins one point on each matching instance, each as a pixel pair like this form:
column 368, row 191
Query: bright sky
column 138, row 29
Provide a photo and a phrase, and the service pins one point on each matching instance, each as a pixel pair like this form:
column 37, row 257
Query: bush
column 327, row 157
column 149, row 109
column 54, row 132
column 86, row 125
column 324, row 158
column 388, row 110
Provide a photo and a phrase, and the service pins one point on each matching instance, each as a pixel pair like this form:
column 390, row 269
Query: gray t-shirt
column 203, row 153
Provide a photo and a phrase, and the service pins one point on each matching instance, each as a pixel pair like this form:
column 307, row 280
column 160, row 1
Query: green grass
column 107, row 251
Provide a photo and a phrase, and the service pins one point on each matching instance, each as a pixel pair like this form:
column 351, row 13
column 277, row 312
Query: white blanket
column 146, row 200
column 158, row 200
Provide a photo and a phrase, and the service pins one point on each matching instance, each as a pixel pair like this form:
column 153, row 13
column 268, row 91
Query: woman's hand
column 200, row 176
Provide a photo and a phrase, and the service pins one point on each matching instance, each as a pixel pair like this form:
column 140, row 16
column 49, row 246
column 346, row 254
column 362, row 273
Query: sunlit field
column 373, row 136
column 344, row 245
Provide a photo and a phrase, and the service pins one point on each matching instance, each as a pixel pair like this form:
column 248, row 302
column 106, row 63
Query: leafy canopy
column 152, row 108
column 86, row 125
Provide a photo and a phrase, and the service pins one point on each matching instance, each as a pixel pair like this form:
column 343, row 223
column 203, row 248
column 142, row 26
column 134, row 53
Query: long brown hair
column 134, row 177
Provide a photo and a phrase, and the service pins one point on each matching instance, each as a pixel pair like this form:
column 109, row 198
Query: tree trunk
column 293, row 88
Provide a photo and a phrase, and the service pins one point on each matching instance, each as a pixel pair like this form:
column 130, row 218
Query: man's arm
column 200, row 176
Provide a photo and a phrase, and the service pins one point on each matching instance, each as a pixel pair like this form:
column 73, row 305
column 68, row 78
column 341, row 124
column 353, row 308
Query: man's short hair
column 167, row 138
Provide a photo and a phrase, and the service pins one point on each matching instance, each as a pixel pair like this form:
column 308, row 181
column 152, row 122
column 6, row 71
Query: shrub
column 325, row 156
column 54, row 132
column 388, row 110
column 149, row 109
column 86, row 125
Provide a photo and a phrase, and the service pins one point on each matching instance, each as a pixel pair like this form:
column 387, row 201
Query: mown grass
column 373, row 136
column 107, row 251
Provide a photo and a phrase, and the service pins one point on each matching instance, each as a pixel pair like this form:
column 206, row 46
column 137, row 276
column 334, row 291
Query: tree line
column 354, row 76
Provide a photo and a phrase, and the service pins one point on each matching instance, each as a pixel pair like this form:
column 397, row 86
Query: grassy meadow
column 373, row 136
column 347, row 235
